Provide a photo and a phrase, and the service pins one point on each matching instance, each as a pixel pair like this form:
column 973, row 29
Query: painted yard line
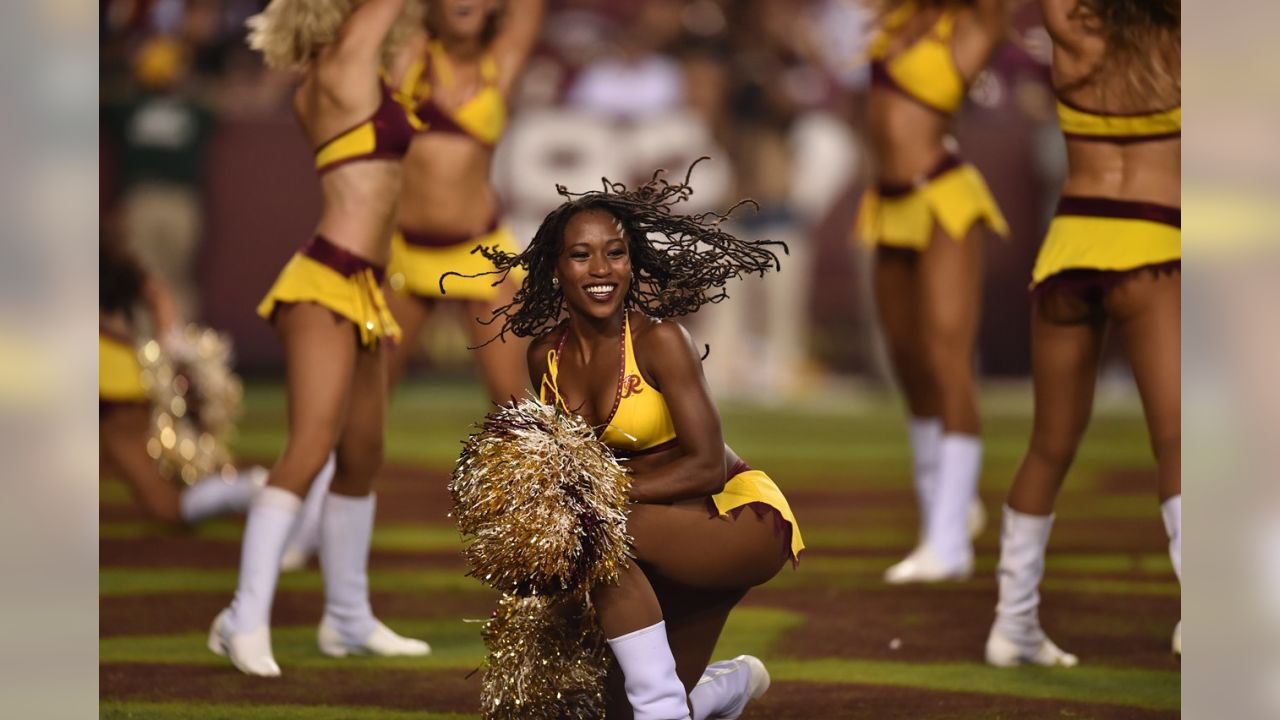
column 455, row 643
column 1153, row 689
column 140, row 581
column 389, row 536
column 113, row 709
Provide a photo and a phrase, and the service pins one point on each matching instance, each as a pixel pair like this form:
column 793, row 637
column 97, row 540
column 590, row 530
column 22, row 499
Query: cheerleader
column 457, row 79
column 328, row 307
column 605, row 273
column 1111, row 258
column 124, row 410
column 927, row 218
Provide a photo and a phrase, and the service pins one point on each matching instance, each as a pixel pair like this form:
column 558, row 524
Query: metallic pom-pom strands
column 543, row 501
column 547, row 661
column 195, row 399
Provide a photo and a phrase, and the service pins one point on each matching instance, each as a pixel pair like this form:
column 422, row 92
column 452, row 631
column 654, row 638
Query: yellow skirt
column 1108, row 235
column 753, row 486
column 119, row 372
column 954, row 199
column 420, row 261
column 332, row 277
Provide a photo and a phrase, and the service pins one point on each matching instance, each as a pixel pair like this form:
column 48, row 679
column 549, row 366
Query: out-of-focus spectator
column 639, row 77
column 161, row 133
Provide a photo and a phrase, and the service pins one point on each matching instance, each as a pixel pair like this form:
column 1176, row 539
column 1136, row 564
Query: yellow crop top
column 384, row 136
column 482, row 117
column 925, row 72
column 640, row 421
column 1080, row 124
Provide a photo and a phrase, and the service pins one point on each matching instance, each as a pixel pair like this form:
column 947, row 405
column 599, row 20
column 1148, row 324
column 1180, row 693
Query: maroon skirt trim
column 340, row 259
column 1122, row 139
column 1121, row 209
column 1092, row 284
column 444, row 240
column 106, row 407
column 762, row 510
column 948, row 163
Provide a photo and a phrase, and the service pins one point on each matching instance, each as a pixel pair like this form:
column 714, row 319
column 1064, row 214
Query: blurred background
column 206, row 173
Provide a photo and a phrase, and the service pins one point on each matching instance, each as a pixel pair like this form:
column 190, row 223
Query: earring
column 555, row 282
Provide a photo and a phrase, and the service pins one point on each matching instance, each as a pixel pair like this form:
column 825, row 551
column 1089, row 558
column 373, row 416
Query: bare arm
column 164, row 310
column 536, row 357
column 674, row 364
column 519, row 33
column 1062, row 22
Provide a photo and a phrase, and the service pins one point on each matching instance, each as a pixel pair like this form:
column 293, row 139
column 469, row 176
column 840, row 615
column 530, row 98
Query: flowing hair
column 679, row 262
column 289, row 33
column 1144, row 41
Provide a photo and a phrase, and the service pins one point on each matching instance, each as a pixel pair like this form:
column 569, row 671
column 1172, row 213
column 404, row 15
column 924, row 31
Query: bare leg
column 320, row 359
column 950, row 287
column 502, row 361
column 1066, row 342
column 123, row 433
column 360, row 447
column 411, row 313
column 1148, row 313
column 897, row 304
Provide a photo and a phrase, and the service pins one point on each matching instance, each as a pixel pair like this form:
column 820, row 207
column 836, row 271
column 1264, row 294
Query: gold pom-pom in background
column 195, row 401
column 542, row 501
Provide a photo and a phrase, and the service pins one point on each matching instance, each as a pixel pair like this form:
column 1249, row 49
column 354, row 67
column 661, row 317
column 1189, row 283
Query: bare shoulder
column 542, row 344
column 660, row 340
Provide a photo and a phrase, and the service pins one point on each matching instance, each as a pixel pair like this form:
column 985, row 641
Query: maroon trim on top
column 392, row 133
column 947, row 163
column 1123, row 209
column 622, row 369
column 443, row 240
column 435, row 119
column 340, row 259
column 880, row 77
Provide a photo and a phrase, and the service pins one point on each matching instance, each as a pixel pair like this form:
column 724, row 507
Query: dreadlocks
column 679, row 262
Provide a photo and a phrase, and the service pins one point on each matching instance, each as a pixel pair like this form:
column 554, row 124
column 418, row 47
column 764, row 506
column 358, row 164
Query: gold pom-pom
column 547, row 661
column 542, row 500
column 195, row 400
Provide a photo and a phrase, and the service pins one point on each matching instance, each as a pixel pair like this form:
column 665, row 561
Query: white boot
column 947, row 551
column 348, row 626
column 216, row 494
column 725, row 688
column 649, row 674
column 926, row 439
column 1016, row 637
column 1171, row 511
column 304, row 538
column 242, row 632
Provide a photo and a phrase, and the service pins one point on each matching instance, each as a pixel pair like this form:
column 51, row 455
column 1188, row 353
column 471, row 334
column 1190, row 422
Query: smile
column 600, row 292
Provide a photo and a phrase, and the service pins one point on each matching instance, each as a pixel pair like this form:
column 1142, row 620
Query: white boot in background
column 217, row 494
column 947, row 551
column 725, row 688
column 304, row 538
column 348, row 626
column 1171, row 511
column 1016, row 637
column 649, row 674
column 242, row 632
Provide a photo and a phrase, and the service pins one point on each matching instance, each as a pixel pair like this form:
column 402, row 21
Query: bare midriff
column 908, row 138
column 446, row 186
column 653, row 461
column 359, row 208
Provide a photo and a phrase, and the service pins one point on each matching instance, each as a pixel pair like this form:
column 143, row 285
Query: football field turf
column 838, row 642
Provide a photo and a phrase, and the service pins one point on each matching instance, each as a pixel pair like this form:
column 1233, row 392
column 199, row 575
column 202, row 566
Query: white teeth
column 600, row 289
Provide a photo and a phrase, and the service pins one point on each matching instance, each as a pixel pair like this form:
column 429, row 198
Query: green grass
column 116, row 710
column 838, row 444
column 1154, row 689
